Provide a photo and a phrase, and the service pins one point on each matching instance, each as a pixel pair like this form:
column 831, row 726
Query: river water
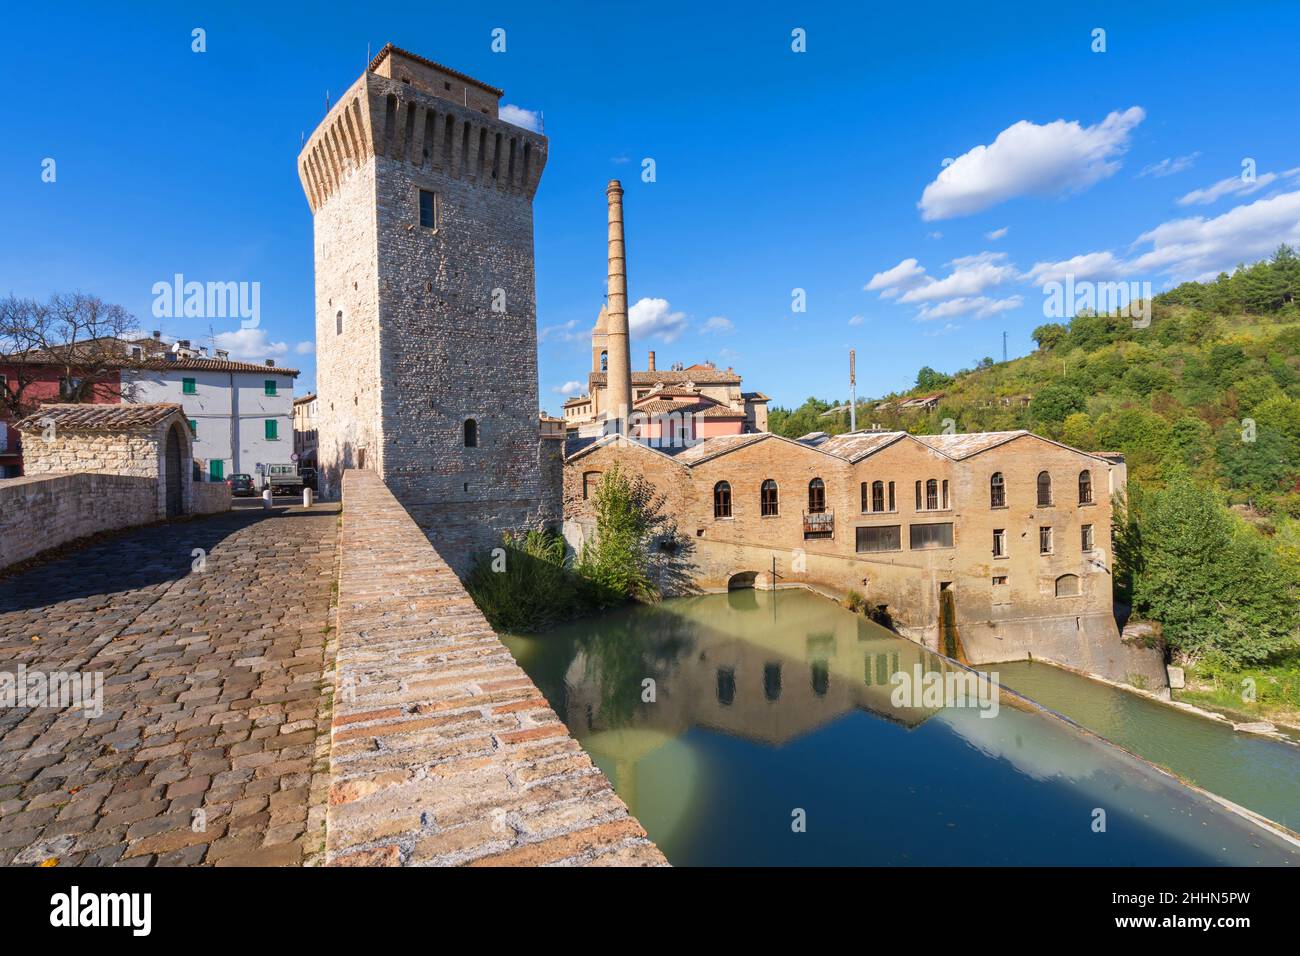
column 763, row 728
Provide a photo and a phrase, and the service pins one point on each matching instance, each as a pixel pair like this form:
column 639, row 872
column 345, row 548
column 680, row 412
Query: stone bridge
column 290, row 687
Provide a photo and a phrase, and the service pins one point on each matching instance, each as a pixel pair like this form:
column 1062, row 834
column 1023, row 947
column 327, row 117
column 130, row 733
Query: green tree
column 1078, row 432
column 617, row 561
column 1215, row 586
column 1053, row 403
column 1048, row 336
column 1191, row 441
column 929, row 380
column 1253, row 459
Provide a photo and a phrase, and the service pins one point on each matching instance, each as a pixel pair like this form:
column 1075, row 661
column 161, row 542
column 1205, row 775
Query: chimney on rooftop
column 652, row 360
column 157, row 335
column 270, row 363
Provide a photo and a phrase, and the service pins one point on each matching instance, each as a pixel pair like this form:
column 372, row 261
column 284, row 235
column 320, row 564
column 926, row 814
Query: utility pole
column 1004, row 346
column 853, row 390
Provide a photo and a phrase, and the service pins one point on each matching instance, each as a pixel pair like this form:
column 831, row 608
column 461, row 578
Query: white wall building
column 240, row 413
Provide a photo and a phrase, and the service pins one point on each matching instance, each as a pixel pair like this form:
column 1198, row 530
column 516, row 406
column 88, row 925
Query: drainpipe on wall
column 234, row 426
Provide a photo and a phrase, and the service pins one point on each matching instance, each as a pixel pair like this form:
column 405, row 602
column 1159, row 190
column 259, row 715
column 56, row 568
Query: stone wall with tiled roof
column 88, row 417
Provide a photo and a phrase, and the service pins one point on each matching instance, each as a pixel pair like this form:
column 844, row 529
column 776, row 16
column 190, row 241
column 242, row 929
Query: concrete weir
column 443, row 751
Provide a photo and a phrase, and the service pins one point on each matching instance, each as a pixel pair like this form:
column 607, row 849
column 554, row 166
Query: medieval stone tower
column 426, row 342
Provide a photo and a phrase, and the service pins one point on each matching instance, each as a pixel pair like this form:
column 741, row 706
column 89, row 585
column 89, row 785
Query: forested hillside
column 1204, row 402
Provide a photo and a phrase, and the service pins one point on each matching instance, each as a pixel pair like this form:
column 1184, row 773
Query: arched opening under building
column 174, row 464
column 741, row 580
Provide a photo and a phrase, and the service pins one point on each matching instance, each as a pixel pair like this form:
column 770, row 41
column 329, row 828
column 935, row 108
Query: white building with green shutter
column 240, row 413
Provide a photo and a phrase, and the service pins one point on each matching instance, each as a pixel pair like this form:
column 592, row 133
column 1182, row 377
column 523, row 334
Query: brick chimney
column 652, row 361
column 619, row 377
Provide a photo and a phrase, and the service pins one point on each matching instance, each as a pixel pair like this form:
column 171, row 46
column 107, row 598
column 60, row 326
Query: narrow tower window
column 338, row 323
column 471, row 433
column 430, row 209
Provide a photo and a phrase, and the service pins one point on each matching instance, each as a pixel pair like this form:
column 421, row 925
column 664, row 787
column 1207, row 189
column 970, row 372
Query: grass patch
column 1267, row 691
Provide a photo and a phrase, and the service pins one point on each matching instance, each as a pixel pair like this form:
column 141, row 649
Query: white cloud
column 936, row 234
column 568, row 388
column 1090, row 265
column 997, row 234
column 971, row 275
column 655, row 317
column 518, row 116
column 1168, row 166
column 305, row 348
column 978, row 307
column 250, row 345
column 947, row 327
column 856, row 320
column 906, row 275
column 1028, row 159
column 1199, row 248
column 1234, row 186
column 566, row 332
column 718, row 325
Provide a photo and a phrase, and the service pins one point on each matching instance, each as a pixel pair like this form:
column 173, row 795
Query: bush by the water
column 528, row 584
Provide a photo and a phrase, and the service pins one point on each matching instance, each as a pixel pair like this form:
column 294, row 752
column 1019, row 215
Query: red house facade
column 40, row 383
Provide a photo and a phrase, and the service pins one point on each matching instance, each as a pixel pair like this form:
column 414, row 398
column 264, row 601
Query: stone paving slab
column 212, row 744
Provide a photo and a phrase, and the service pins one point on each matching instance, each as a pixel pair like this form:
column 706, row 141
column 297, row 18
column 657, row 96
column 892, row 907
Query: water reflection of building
column 772, row 686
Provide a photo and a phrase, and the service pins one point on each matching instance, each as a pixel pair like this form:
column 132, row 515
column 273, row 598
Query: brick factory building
column 1005, row 534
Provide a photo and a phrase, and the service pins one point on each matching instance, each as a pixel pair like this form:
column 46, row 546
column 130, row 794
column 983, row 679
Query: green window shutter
column 194, row 428
column 272, row 429
column 189, row 387
column 216, row 470
column 270, row 386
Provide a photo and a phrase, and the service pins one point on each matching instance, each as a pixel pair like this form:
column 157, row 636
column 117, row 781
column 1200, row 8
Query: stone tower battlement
column 426, row 327
column 396, row 110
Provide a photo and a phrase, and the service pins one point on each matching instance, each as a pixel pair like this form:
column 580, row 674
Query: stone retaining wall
column 45, row 511
column 442, row 750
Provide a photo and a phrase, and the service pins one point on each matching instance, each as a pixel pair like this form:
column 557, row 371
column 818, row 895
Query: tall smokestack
column 853, row 390
column 619, row 376
column 652, row 360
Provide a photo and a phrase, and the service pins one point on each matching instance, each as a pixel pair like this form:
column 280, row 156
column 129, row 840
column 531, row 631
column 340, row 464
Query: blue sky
column 775, row 170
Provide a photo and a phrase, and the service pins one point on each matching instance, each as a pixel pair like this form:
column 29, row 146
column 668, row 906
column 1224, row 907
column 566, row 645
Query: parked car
column 241, row 486
column 282, row 479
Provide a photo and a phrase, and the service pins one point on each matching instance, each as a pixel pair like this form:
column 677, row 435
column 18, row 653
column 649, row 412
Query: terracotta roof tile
column 211, row 365
column 89, row 417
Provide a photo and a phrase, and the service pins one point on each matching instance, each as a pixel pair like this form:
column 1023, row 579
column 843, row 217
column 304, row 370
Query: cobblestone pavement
column 212, row 747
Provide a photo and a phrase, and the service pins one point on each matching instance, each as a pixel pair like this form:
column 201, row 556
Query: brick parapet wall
column 44, row 511
column 443, row 751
